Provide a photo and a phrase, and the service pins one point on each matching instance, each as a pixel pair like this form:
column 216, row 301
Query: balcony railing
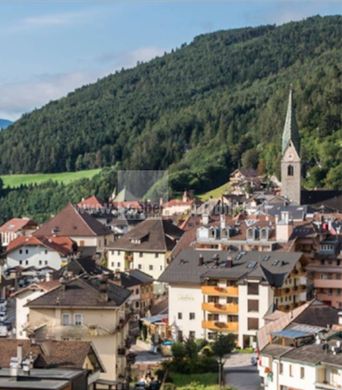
column 220, row 291
column 229, row 308
column 221, row 326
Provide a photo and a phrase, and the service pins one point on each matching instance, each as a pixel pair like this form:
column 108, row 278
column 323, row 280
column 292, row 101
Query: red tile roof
column 92, row 202
column 63, row 245
column 16, row 224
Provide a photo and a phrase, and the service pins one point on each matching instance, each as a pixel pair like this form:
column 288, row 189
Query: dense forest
column 199, row 111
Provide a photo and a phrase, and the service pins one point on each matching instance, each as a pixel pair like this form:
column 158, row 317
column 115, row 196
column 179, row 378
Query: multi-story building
column 91, row 309
column 214, row 291
column 39, row 252
column 147, row 247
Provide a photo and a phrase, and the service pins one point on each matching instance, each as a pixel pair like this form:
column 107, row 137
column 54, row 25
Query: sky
column 50, row 47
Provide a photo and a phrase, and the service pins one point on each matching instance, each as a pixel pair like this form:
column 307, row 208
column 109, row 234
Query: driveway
column 240, row 374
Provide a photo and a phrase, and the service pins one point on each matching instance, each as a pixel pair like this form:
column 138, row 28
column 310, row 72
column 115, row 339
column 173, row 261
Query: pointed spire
column 290, row 132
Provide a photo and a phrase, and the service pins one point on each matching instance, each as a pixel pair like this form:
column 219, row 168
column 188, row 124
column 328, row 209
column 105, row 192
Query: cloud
column 51, row 20
column 128, row 59
column 19, row 97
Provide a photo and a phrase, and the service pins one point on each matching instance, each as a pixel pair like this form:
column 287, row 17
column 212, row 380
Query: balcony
column 220, row 291
column 328, row 283
column 230, row 308
column 221, row 326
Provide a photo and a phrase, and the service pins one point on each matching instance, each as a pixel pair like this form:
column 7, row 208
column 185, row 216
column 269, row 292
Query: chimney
column 200, row 260
column 229, row 262
column 19, row 353
column 339, row 314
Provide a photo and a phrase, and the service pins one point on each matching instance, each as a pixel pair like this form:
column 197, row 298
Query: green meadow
column 17, row 180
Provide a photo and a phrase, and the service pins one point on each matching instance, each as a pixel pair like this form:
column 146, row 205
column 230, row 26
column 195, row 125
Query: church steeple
column 290, row 132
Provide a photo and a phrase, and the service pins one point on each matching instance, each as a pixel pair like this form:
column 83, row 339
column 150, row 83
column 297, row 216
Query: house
column 177, row 206
column 16, row 227
column 49, row 355
column 141, row 287
column 90, row 309
column 39, row 251
column 244, row 180
column 22, row 297
column 302, row 351
column 212, row 292
column 89, row 234
column 147, row 247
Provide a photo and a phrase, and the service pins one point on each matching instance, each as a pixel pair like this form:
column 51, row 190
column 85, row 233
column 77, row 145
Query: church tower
column 290, row 152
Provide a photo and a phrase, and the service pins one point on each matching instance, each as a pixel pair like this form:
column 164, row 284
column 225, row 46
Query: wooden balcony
column 229, row 308
column 221, row 326
column 220, row 291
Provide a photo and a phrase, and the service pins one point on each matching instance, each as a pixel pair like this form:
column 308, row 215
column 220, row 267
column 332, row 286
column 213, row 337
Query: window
column 26, row 251
column 119, row 264
column 212, row 336
column 26, row 262
column 46, row 262
column 302, row 372
column 281, row 368
column 119, row 252
column 20, row 262
column 20, row 251
column 213, row 317
column 213, row 299
column 290, row 370
column 192, row 334
column 46, row 251
column 191, row 316
column 66, row 319
column 156, row 255
column 150, row 267
column 112, row 264
column 180, row 316
column 78, row 319
column 290, row 170
column 253, row 323
column 81, row 242
column 40, row 262
column 137, row 305
column 141, row 254
column 112, row 252
column 139, row 266
column 253, row 305
column 136, row 291
column 253, row 289
column 161, row 267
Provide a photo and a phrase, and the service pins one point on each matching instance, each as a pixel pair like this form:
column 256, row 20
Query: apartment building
column 214, row 291
column 91, row 309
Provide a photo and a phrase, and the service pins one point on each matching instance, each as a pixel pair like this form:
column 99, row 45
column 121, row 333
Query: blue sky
column 51, row 47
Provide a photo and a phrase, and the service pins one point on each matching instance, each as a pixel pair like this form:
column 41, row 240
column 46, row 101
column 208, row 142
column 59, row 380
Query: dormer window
column 290, row 170
column 250, row 234
column 264, row 234
column 224, row 233
column 212, row 232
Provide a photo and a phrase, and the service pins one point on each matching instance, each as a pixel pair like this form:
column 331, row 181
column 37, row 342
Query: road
column 240, row 374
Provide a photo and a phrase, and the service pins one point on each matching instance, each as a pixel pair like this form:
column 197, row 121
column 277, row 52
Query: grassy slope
column 215, row 193
column 14, row 181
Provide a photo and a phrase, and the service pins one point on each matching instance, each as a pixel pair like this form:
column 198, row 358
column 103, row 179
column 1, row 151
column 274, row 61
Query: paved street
column 240, row 374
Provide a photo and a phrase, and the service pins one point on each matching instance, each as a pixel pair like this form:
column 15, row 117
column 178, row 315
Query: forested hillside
column 200, row 110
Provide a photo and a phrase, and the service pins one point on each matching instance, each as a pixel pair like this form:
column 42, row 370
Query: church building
column 291, row 161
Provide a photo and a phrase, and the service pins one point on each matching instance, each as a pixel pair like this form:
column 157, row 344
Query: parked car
column 3, row 331
column 3, row 316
